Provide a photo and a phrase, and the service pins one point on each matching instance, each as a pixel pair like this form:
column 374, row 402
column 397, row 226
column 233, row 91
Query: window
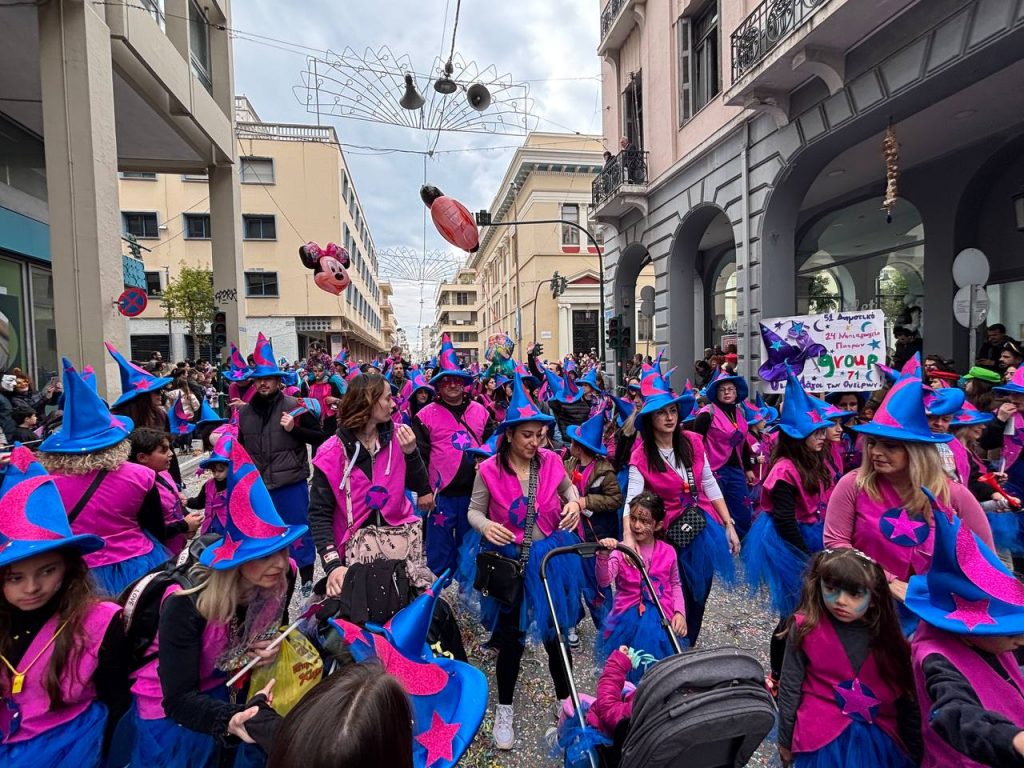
column 199, row 43
column 261, row 284
column 144, row 175
column 259, row 227
column 196, row 176
column 142, row 225
column 699, row 81
column 156, row 10
column 197, row 226
column 257, row 170
column 570, row 213
column 153, row 285
column 462, row 298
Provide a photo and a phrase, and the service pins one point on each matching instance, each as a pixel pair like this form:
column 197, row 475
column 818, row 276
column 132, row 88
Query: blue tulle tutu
column 771, row 562
column 565, row 578
column 707, row 556
column 576, row 743
column 642, row 632
column 165, row 744
column 1006, row 531
column 112, row 579
column 78, row 743
column 859, row 745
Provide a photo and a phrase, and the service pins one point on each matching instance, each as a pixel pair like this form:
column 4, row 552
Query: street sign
column 970, row 267
column 132, row 302
column 962, row 308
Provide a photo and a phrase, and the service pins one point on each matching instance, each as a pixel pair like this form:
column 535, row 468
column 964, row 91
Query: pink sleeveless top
column 724, row 439
column 215, row 507
column 173, row 510
column 810, row 507
column 833, row 693
column 508, row 504
column 77, row 689
column 449, row 439
column 629, row 584
column 112, row 512
column 384, row 492
column 669, row 486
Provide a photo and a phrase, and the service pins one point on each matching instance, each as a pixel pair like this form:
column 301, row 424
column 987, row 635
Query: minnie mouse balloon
column 453, row 221
column 329, row 265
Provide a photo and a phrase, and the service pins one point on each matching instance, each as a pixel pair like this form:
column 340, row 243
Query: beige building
column 90, row 89
column 295, row 187
column 549, row 178
column 458, row 308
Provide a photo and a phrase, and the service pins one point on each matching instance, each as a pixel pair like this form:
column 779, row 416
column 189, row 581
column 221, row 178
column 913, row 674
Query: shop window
column 257, row 170
column 14, row 335
column 140, row 175
column 261, row 285
column 142, row 225
column 259, row 227
column 197, row 226
column 22, row 161
column 722, row 301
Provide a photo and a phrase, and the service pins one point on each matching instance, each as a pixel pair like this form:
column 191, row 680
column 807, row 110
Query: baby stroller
column 708, row 708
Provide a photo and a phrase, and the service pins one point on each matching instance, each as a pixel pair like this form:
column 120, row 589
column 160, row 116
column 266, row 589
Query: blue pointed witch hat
column 568, row 390
column 253, row 528
column 901, row 416
column 266, row 366
column 33, row 519
column 521, row 408
column 221, row 453
column 208, row 416
column 419, row 381
column 448, row 362
column 943, row 402
column 801, row 415
column 1015, row 386
column 969, row 416
column 135, row 381
column 238, row 368
column 623, row 408
column 658, row 394
column 528, row 377
column 448, row 697
column 589, row 434
column 182, row 422
column 87, row 426
column 771, row 414
column 967, row 590
column 484, row 451
column 591, row 380
column 88, row 375
column 307, row 405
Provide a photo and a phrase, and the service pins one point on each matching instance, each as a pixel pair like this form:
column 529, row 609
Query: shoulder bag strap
column 80, row 504
column 531, row 512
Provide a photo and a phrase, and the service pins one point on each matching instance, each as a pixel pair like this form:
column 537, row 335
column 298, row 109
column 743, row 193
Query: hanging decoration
column 329, row 265
column 891, row 153
column 453, row 220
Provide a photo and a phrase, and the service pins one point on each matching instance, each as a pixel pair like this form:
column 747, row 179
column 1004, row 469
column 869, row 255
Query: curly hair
column 83, row 463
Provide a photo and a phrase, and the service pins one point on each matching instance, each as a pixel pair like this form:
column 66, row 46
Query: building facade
column 91, row 90
column 458, row 307
column 751, row 172
column 295, row 187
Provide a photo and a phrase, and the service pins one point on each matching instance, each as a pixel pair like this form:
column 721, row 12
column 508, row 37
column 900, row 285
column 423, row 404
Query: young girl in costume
column 969, row 685
column 213, row 494
column 104, row 493
column 152, row 448
column 846, row 694
column 184, row 715
column 634, row 620
column 63, row 655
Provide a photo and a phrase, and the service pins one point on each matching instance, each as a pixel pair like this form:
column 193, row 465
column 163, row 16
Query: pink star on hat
column 227, row 549
column 438, row 739
column 351, row 632
column 971, row 612
column 856, row 701
column 902, row 525
column 814, row 415
column 140, row 384
column 526, row 411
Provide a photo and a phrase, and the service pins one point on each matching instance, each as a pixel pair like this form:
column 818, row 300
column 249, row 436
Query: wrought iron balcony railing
column 608, row 15
column 770, row 23
column 627, row 167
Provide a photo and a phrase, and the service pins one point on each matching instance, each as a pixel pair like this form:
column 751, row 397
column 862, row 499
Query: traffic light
column 483, row 218
column 625, row 338
column 219, row 329
column 558, row 285
column 133, row 246
column 613, row 332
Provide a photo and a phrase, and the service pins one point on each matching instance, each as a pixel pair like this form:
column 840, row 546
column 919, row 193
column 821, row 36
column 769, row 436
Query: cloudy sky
column 548, row 43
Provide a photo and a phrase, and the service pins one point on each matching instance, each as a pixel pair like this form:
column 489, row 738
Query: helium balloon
column 453, row 221
column 329, row 265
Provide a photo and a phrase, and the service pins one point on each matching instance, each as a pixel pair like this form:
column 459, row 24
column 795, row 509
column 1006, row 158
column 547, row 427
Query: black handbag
column 688, row 526
column 501, row 578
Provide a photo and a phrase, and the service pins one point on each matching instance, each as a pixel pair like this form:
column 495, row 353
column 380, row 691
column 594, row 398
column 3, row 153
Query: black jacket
column 280, row 456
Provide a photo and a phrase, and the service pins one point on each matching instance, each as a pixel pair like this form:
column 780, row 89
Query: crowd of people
column 138, row 625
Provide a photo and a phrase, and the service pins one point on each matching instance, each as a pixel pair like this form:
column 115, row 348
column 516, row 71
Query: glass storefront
column 28, row 333
column 13, row 332
column 1006, row 306
column 851, row 259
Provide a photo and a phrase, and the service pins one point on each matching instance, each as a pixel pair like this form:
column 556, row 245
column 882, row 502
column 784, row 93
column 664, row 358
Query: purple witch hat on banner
column 792, row 352
column 253, row 528
column 901, row 416
column 238, row 368
column 181, row 421
column 266, row 366
column 448, row 697
column 87, row 426
column 448, row 362
column 32, row 515
column 967, row 590
column 135, row 381
column 521, row 408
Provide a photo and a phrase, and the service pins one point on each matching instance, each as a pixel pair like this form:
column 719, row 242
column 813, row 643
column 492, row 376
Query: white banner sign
column 834, row 351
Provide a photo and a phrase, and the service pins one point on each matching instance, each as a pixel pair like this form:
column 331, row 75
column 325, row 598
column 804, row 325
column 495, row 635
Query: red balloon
column 455, row 223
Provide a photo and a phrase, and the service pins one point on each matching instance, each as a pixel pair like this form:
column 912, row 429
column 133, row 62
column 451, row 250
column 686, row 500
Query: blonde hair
column 219, row 592
column 925, row 470
column 83, row 463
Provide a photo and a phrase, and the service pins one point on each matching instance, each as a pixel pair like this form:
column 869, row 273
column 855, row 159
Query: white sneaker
column 574, row 639
column 503, row 732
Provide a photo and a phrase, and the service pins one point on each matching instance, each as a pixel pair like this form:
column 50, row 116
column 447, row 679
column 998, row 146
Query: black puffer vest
column 280, row 458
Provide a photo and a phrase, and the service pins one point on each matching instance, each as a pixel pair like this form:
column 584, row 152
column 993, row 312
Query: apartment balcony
column 617, row 20
column 621, row 186
column 286, row 132
column 784, row 42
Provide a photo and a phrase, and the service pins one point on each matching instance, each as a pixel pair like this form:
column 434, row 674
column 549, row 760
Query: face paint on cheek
column 859, row 605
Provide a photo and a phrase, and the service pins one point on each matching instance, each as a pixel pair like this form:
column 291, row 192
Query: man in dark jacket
column 277, row 442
